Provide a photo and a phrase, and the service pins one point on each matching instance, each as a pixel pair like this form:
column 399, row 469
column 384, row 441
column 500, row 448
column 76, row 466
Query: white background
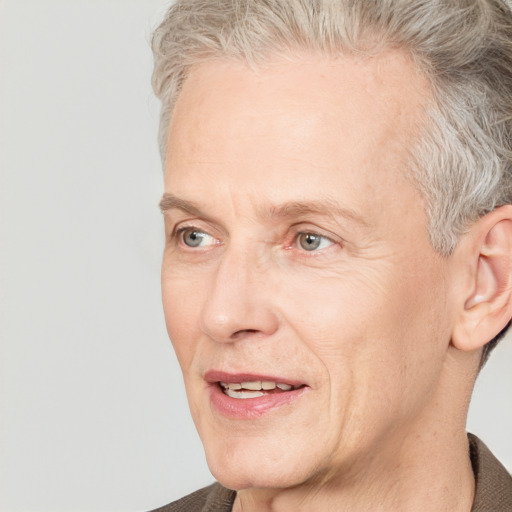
column 93, row 416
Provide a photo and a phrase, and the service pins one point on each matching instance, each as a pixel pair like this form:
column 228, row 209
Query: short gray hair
column 462, row 163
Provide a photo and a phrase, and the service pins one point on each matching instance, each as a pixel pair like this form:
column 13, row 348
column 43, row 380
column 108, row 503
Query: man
column 338, row 189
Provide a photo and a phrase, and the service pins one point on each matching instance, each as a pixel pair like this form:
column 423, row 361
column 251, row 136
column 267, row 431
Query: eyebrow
column 325, row 206
column 171, row 202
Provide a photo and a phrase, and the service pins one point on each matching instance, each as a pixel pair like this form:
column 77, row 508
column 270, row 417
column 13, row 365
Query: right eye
column 193, row 237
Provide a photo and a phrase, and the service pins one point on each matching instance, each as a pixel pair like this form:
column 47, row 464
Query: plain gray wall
column 93, row 415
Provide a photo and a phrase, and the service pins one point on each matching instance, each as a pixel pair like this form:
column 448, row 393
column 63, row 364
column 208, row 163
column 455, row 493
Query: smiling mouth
column 255, row 389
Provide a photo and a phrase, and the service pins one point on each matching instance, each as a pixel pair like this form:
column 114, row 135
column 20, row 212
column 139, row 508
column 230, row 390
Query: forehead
column 310, row 120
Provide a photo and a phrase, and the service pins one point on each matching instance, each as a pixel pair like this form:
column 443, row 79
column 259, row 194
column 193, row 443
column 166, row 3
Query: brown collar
column 493, row 484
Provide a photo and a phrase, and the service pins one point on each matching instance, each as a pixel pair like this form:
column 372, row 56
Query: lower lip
column 250, row 408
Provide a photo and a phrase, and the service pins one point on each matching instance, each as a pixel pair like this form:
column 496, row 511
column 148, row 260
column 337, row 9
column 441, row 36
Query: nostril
column 242, row 332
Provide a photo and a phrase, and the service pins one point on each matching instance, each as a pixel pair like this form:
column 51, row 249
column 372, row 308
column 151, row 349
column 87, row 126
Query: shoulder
column 213, row 498
column 493, row 483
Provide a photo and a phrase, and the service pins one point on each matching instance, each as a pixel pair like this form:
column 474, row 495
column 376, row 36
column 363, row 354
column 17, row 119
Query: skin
column 365, row 321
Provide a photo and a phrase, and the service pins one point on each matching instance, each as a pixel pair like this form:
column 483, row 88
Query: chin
column 239, row 468
column 253, row 478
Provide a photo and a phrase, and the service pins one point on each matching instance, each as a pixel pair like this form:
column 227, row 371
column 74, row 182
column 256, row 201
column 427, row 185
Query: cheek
column 181, row 302
column 329, row 312
column 371, row 330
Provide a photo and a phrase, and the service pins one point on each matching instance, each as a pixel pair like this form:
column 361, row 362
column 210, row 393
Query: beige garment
column 493, row 490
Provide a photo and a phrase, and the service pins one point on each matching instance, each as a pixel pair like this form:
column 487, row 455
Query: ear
column 486, row 306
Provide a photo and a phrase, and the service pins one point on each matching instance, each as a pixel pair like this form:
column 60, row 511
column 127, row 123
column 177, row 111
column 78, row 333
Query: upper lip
column 214, row 376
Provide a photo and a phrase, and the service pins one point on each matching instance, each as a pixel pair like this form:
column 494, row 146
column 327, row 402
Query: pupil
column 310, row 242
column 193, row 239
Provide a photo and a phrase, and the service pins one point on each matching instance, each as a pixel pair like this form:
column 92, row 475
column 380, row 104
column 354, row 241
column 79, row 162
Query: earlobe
column 487, row 307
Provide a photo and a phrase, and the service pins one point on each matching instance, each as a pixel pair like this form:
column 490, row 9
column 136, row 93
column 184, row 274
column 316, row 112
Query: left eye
column 195, row 238
column 313, row 242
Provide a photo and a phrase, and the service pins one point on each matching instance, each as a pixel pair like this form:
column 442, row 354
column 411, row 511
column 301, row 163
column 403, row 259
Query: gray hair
column 462, row 163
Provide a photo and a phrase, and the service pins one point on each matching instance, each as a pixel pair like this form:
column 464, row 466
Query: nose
column 239, row 304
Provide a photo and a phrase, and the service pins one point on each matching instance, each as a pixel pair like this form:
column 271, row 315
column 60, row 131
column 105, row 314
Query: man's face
column 297, row 255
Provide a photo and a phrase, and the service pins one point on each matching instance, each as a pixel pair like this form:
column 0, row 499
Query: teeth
column 244, row 394
column 252, row 386
column 231, row 385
